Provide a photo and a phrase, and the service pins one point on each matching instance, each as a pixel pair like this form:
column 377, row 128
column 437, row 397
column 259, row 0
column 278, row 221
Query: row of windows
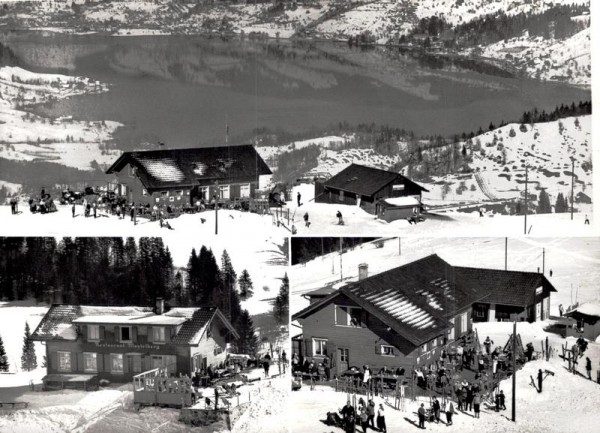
column 320, row 348
column 224, row 193
column 90, row 362
column 125, row 334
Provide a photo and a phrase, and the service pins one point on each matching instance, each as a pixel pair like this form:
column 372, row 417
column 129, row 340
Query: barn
column 180, row 177
column 359, row 185
column 406, row 316
column 89, row 343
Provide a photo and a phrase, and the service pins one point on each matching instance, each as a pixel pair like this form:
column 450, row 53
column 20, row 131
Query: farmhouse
column 406, row 316
column 183, row 176
column 86, row 343
column 366, row 186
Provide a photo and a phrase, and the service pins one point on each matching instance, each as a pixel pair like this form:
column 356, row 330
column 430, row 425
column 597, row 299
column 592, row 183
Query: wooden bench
column 14, row 405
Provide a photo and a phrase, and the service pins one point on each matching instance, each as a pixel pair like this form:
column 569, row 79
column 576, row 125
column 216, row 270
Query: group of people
column 14, row 205
column 363, row 416
column 435, row 413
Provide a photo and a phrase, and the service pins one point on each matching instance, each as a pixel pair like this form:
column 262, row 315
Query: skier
column 340, row 218
column 306, row 221
column 449, row 414
column 132, row 212
column 588, row 367
column 421, row 413
column 73, row 210
column 299, row 196
column 587, row 220
column 381, row 419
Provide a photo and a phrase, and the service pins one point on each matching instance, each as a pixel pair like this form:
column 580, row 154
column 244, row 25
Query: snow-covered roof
column 402, row 201
column 60, row 321
column 590, row 309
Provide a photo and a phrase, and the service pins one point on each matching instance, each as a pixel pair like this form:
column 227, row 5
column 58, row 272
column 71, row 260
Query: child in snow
column 421, row 413
column 476, row 404
column 449, row 414
column 588, row 367
column 381, row 419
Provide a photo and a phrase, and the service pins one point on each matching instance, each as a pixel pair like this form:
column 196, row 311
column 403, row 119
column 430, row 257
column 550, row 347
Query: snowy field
column 575, row 263
column 111, row 410
column 438, row 223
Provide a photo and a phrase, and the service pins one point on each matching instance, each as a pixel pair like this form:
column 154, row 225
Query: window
column 64, row 361
column 319, row 347
column 217, row 350
column 157, row 199
column 424, row 348
column 539, row 290
column 132, row 171
column 144, row 192
column 125, row 333
column 451, row 332
column 164, row 194
column 245, row 190
column 341, row 196
column 179, row 193
column 171, row 199
column 433, row 343
column 203, row 192
column 348, row 316
column 397, row 187
column 464, row 321
column 158, row 334
column 93, row 332
column 418, row 359
column 90, row 362
column 116, row 363
column 387, row 350
column 224, row 192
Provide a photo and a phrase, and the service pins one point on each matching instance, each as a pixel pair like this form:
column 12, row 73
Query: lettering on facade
column 129, row 346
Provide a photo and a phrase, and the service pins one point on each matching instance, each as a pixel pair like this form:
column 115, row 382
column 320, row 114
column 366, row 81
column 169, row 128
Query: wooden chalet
column 183, row 176
column 404, row 317
column 359, row 185
column 97, row 342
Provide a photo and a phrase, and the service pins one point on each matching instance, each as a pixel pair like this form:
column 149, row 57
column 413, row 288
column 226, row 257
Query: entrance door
column 538, row 311
column 342, row 360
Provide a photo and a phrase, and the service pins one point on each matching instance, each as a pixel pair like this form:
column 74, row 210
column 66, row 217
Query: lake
column 182, row 90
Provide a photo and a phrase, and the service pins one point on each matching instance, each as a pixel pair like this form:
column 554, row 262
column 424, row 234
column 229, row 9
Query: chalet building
column 359, row 185
column 116, row 343
column 404, row 317
column 183, row 176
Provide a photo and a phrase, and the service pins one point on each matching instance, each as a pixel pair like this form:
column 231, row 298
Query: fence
column 155, row 387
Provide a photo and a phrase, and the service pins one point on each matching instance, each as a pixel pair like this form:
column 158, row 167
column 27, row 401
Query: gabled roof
column 503, row 287
column 590, row 312
column 363, row 180
column 166, row 168
column 60, row 321
column 417, row 300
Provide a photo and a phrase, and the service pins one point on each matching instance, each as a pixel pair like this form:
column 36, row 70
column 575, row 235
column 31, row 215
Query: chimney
column 160, row 305
column 363, row 271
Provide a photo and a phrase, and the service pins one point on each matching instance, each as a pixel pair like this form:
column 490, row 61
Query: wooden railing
column 155, row 387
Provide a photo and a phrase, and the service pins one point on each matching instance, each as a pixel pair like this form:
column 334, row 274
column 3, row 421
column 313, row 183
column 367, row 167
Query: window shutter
column 107, row 362
column 54, row 361
column 364, row 316
column 173, row 332
column 84, row 332
column 100, row 362
column 73, row 361
column 150, row 334
column 308, row 351
column 126, row 360
column 79, row 366
column 102, row 332
column 117, row 337
column 134, row 334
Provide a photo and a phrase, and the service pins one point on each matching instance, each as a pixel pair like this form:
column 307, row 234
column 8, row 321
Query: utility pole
column 399, row 246
column 514, row 374
column 526, row 179
column 341, row 268
column 216, row 197
column 543, row 261
column 506, row 253
column 572, row 185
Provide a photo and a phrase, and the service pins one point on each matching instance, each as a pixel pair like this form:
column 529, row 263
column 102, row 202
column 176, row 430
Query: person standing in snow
column 487, row 344
column 340, row 218
column 560, row 307
column 306, row 221
column 436, row 410
column 266, row 364
column 371, row 414
column 587, row 220
column 540, row 379
column 73, row 210
column 469, row 399
column 381, row 419
column 588, row 367
column 476, row 404
column 299, row 196
column 421, row 413
column 449, row 414
column 95, row 210
column 502, row 399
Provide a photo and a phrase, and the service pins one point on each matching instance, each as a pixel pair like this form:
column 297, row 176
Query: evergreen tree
column 246, row 287
column 28, row 358
column 544, row 203
column 3, row 358
column 561, row 205
column 282, row 302
column 248, row 342
column 193, row 278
